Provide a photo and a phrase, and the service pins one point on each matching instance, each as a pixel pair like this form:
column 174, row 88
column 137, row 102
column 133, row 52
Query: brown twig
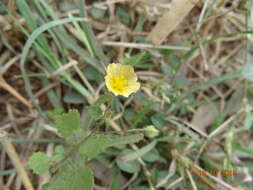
column 12, row 91
column 15, row 160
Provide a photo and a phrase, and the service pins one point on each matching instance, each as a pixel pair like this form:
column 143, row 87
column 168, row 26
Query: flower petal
column 121, row 79
column 113, row 69
column 128, row 72
column 132, row 88
column 108, row 83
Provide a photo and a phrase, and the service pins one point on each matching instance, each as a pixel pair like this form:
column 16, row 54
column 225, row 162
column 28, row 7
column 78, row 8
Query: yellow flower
column 121, row 79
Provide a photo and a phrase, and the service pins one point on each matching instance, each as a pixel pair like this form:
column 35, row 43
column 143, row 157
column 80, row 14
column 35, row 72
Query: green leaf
column 94, row 145
column 141, row 114
column 116, row 105
column 66, row 6
column 139, row 153
column 95, row 112
column 151, row 156
column 116, row 180
column 129, row 114
column 167, row 69
column 248, row 121
column 181, row 82
column 103, row 99
column 73, row 178
column 58, row 154
column 73, row 98
column 68, row 123
column 116, row 141
column 137, row 59
column 45, row 186
column 237, row 146
column 39, row 162
column 76, row 137
column 92, row 74
column 129, row 167
column 55, row 113
column 158, row 120
column 97, row 13
column 247, row 72
column 123, row 14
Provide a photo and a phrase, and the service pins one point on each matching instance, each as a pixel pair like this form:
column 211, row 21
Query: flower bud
column 151, row 131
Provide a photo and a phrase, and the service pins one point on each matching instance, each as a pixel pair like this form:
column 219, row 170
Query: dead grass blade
column 12, row 91
column 170, row 20
column 15, row 160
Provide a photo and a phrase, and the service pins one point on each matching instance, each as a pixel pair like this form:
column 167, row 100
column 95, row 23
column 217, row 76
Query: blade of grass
column 90, row 35
column 43, row 15
column 7, row 172
column 84, row 38
column 70, row 42
column 46, row 141
column 27, row 14
column 28, row 46
column 208, row 41
column 211, row 82
column 51, row 95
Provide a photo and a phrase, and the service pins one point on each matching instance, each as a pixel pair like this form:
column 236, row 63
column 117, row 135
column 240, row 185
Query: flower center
column 119, row 83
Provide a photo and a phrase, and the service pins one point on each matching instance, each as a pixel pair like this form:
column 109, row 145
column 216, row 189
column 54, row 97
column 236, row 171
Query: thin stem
column 9, row 148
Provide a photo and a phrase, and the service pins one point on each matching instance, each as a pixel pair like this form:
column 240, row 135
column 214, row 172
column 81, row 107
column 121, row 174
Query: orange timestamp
column 216, row 172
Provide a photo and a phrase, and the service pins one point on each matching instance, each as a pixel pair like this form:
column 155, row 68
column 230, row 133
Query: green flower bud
column 151, row 131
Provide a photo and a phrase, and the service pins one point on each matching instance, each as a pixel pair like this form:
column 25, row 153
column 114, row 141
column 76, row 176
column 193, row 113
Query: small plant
column 68, row 162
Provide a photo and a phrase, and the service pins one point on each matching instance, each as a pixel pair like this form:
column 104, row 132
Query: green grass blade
column 90, row 35
column 84, row 38
column 26, row 13
column 212, row 82
column 28, row 46
column 69, row 42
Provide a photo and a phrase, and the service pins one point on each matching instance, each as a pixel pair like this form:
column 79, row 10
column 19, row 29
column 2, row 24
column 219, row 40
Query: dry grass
column 205, row 46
